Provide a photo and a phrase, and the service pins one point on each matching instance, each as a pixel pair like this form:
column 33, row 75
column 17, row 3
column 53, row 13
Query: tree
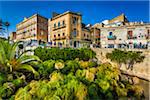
column 134, row 57
column 9, row 62
column 125, row 57
column 117, row 56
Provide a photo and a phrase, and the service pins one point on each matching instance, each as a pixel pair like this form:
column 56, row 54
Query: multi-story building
column 66, row 30
column 95, row 36
column 120, row 33
column 33, row 28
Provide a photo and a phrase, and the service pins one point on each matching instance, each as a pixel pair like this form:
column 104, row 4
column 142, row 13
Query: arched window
column 54, row 25
column 74, row 32
column 58, row 24
column 110, row 33
column 63, row 22
column 84, row 34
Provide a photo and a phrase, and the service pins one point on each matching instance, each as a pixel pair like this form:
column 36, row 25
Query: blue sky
column 92, row 11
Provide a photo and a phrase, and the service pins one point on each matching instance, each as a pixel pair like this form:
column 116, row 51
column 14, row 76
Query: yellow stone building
column 66, row 30
column 32, row 28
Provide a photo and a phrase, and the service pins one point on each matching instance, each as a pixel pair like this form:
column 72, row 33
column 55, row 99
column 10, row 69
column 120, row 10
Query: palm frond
column 29, row 68
column 24, row 52
column 28, row 58
column 13, row 50
column 3, row 57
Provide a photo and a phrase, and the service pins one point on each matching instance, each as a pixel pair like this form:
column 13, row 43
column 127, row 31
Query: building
column 67, row 30
column 120, row 33
column 95, row 36
column 33, row 28
column 13, row 36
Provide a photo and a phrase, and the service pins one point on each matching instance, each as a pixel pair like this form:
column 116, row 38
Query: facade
column 124, row 34
column 95, row 36
column 86, row 37
column 33, row 28
column 66, row 30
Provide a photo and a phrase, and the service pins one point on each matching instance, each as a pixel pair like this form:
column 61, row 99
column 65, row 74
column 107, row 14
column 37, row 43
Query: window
column 54, row 43
column 74, row 32
column 84, row 34
column 130, row 34
column 58, row 34
column 74, row 20
column 87, row 36
column 54, row 35
column 148, row 34
column 54, row 25
column 63, row 34
column 63, row 22
column 110, row 45
column 58, row 24
column 110, row 33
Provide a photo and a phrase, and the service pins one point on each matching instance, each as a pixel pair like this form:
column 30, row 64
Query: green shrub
column 2, row 78
column 6, row 90
column 92, row 64
column 70, row 66
column 46, row 68
column 64, row 54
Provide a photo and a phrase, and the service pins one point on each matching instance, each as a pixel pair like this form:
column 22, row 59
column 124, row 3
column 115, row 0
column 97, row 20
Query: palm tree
column 9, row 62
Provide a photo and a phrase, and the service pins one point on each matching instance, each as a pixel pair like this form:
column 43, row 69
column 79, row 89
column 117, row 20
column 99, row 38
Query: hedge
column 64, row 54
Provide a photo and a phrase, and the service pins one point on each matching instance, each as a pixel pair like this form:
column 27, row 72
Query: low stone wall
column 141, row 70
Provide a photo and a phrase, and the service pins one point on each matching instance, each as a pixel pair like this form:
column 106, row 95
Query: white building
column 120, row 33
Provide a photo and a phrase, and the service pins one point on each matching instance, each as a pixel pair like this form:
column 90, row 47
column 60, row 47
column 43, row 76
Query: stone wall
column 141, row 70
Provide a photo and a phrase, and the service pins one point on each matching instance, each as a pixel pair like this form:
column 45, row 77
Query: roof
column 30, row 18
column 67, row 12
column 120, row 18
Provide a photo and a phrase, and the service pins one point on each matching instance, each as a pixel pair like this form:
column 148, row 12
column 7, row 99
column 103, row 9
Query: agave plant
column 9, row 62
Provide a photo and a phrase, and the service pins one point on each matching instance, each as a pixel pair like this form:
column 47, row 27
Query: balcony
column 59, row 27
column 86, row 39
column 59, row 38
column 111, row 37
column 131, row 37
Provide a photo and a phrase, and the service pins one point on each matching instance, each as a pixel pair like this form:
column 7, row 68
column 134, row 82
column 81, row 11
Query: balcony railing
column 59, row 38
column 59, row 27
column 131, row 37
column 112, row 37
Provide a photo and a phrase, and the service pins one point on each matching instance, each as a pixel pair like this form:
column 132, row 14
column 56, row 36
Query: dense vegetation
column 60, row 79
column 125, row 57
column 64, row 54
